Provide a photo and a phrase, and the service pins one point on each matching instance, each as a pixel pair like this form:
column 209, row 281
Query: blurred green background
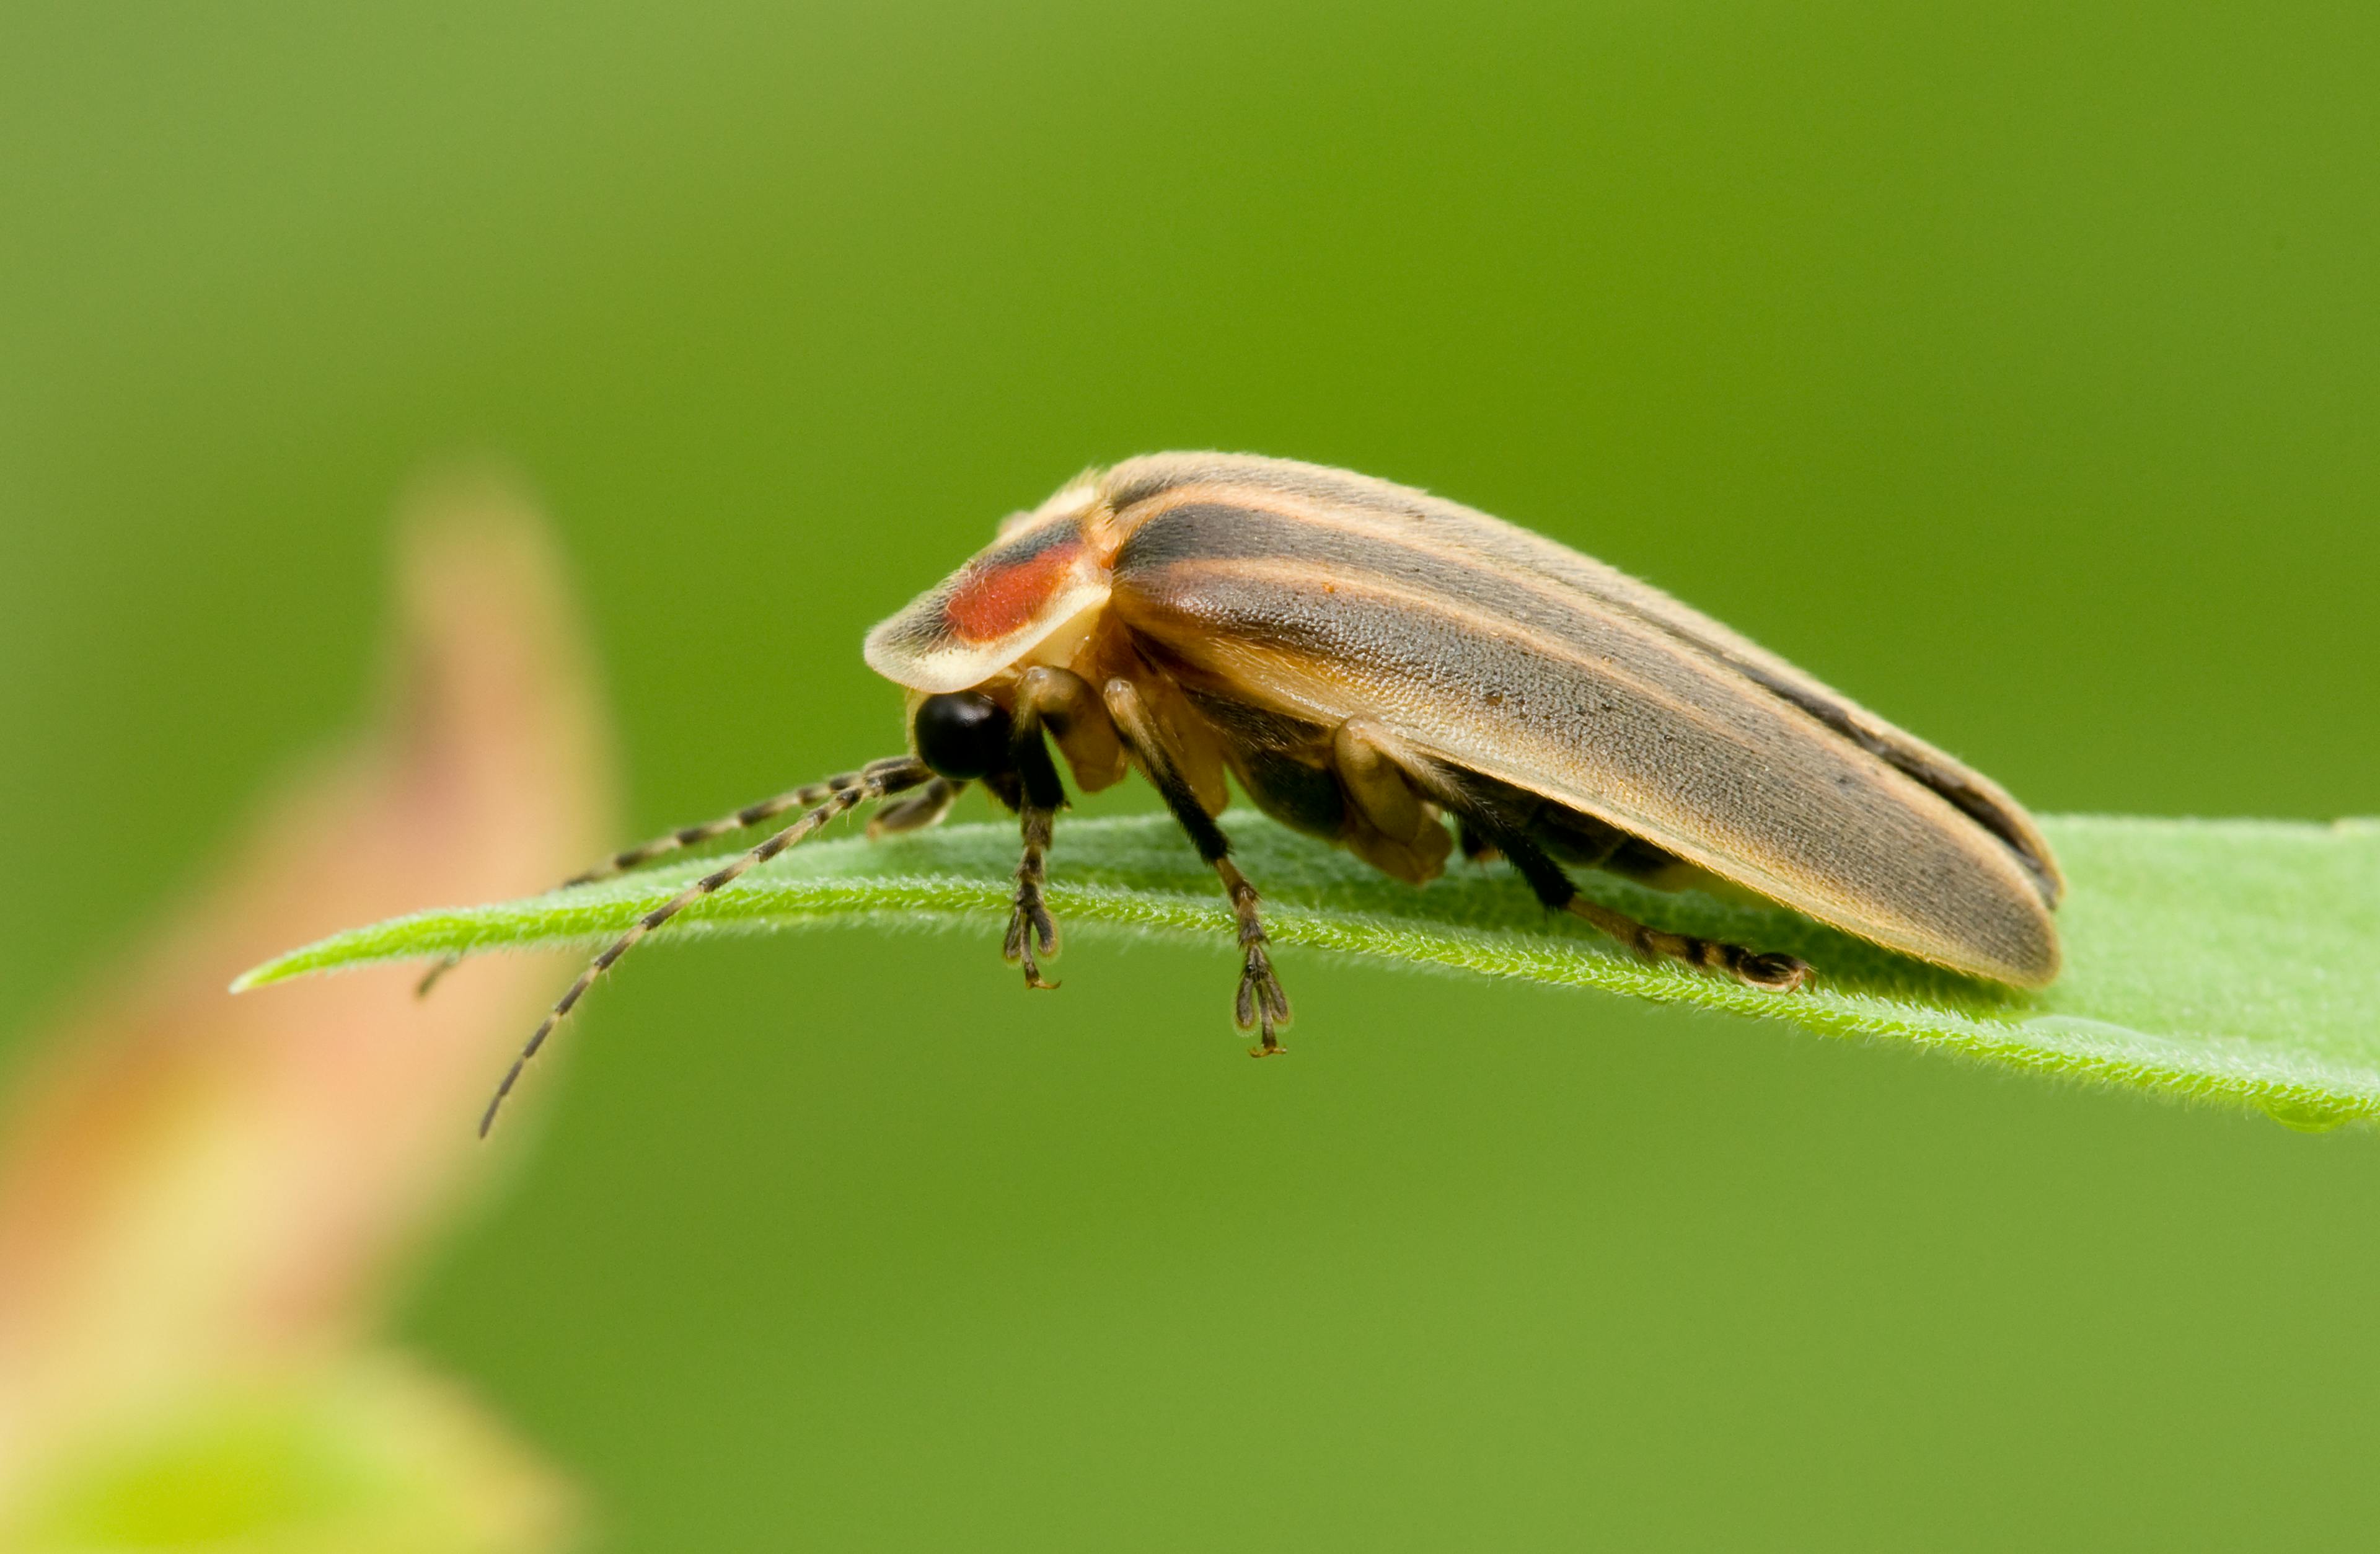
column 2016, row 368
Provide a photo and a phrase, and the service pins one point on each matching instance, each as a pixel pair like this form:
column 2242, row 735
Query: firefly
column 1392, row 672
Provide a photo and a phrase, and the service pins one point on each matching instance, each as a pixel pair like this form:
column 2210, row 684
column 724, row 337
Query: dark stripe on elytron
column 1549, row 695
column 1219, row 531
column 1350, row 501
column 1356, row 505
column 1792, row 811
column 1026, row 546
column 1199, row 589
column 1186, row 537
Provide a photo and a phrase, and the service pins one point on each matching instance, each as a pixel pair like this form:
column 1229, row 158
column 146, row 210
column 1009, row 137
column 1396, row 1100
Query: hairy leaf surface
column 2228, row 960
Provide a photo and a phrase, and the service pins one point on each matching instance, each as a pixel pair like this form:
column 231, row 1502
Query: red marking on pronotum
column 989, row 604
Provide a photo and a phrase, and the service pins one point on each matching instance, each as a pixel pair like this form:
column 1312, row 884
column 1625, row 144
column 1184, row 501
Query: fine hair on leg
column 1260, row 1003
column 879, row 780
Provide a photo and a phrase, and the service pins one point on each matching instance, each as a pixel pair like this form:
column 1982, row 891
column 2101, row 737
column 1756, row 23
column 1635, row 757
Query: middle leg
column 1260, row 1004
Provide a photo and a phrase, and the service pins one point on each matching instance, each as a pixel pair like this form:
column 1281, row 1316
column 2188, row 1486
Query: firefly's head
column 963, row 736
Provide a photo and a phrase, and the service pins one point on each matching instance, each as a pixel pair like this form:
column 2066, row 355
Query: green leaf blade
column 2235, row 960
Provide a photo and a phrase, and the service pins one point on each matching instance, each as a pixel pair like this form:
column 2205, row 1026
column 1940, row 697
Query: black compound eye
column 962, row 735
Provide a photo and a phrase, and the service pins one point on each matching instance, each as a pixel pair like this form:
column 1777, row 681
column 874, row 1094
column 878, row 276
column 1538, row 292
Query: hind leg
column 1767, row 971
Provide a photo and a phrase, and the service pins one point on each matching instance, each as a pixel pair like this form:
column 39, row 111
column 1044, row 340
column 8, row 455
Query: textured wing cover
column 1487, row 648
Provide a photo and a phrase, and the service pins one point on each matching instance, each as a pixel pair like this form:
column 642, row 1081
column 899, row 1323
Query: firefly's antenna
column 836, row 797
column 684, row 837
column 743, row 820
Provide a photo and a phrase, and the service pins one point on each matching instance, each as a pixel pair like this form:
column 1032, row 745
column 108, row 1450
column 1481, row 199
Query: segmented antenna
column 839, row 796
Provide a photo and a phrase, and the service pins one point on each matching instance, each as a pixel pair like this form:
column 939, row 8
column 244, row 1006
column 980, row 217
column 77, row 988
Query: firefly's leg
column 925, row 808
column 879, row 780
column 1378, row 782
column 1039, row 796
column 1475, row 847
column 1398, row 835
column 1261, row 1004
column 1062, row 707
column 1375, row 783
column 1770, row 973
column 1069, row 709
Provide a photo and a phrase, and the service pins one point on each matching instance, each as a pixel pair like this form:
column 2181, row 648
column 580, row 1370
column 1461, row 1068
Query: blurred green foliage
column 2012, row 368
column 371, row 1459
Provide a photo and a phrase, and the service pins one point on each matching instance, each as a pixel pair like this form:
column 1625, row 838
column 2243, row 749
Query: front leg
column 1768, row 972
column 921, row 809
column 1039, row 796
column 1260, row 1004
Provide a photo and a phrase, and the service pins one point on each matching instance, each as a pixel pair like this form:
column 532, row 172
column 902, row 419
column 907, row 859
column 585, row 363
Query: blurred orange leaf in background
column 205, row 1201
